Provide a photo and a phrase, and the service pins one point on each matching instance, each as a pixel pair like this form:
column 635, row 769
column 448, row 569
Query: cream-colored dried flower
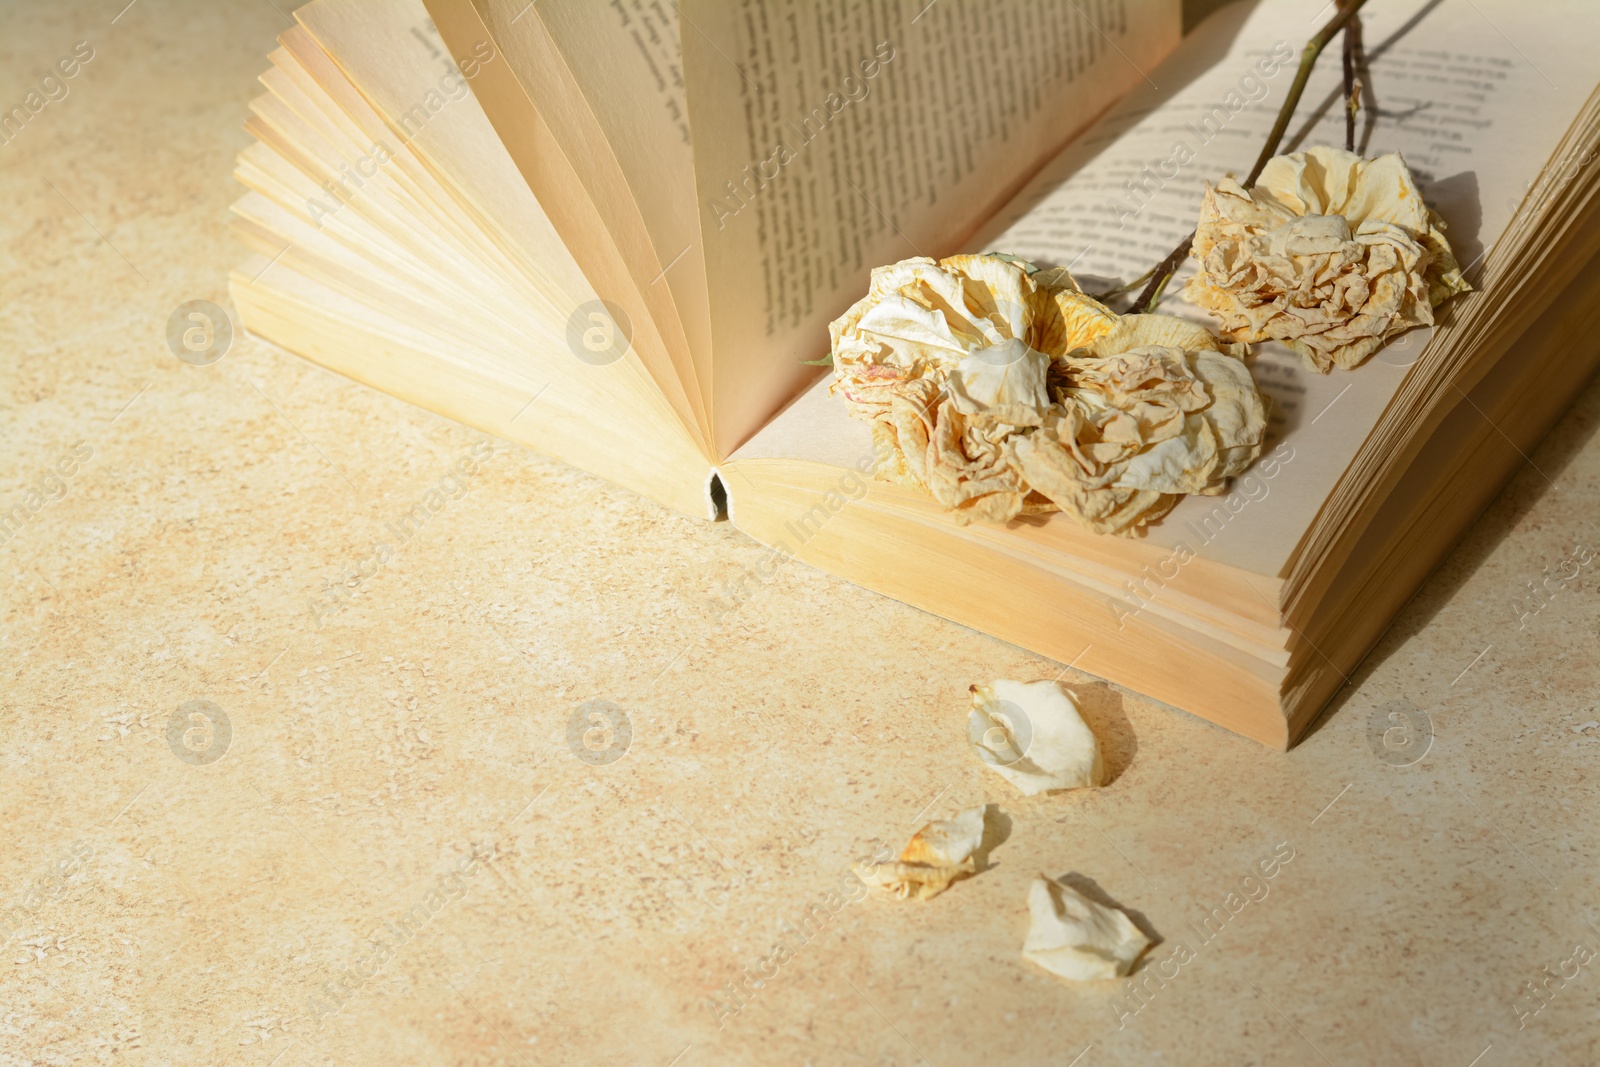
column 947, row 360
column 1152, row 410
column 1074, row 937
column 1002, row 392
column 1329, row 253
column 938, row 854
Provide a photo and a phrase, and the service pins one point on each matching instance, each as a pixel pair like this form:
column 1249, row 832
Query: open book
column 615, row 233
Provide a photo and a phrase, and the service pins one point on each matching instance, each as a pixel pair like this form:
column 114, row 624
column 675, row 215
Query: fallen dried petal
column 1076, row 938
column 937, row 855
column 1032, row 735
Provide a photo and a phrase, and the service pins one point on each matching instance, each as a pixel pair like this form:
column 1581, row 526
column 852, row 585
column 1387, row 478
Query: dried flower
column 1329, row 253
column 1002, row 392
column 1153, row 409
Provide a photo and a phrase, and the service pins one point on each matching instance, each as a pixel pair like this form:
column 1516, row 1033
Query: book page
column 399, row 245
column 584, row 96
column 1473, row 115
column 626, row 59
column 832, row 136
column 392, row 52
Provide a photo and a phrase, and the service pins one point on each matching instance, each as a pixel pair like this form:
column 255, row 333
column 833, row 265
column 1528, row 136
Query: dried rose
column 946, row 360
column 1329, row 253
column 1003, row 392
column 1154, row 409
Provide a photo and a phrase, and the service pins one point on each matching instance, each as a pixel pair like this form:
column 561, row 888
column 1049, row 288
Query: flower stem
column 1354, row 60
column 1163, row 273
column 1128, row 288
column 1308, row 59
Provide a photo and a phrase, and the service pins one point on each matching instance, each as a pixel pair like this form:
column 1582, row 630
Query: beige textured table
column 199, row 910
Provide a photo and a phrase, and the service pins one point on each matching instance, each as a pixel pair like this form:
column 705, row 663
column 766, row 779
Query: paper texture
column 625, row 57
column 576, row 105
column 396, row 57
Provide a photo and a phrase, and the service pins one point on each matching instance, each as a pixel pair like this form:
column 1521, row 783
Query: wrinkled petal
column 1032, row 735
column 1002, row 383
column 940, row 853
column 1076, row 938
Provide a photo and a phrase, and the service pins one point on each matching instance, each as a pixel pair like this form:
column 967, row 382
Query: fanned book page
column 399, row 244
column 607, row 80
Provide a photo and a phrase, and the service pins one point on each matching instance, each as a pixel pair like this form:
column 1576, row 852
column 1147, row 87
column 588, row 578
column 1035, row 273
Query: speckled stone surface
column 253, row 908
